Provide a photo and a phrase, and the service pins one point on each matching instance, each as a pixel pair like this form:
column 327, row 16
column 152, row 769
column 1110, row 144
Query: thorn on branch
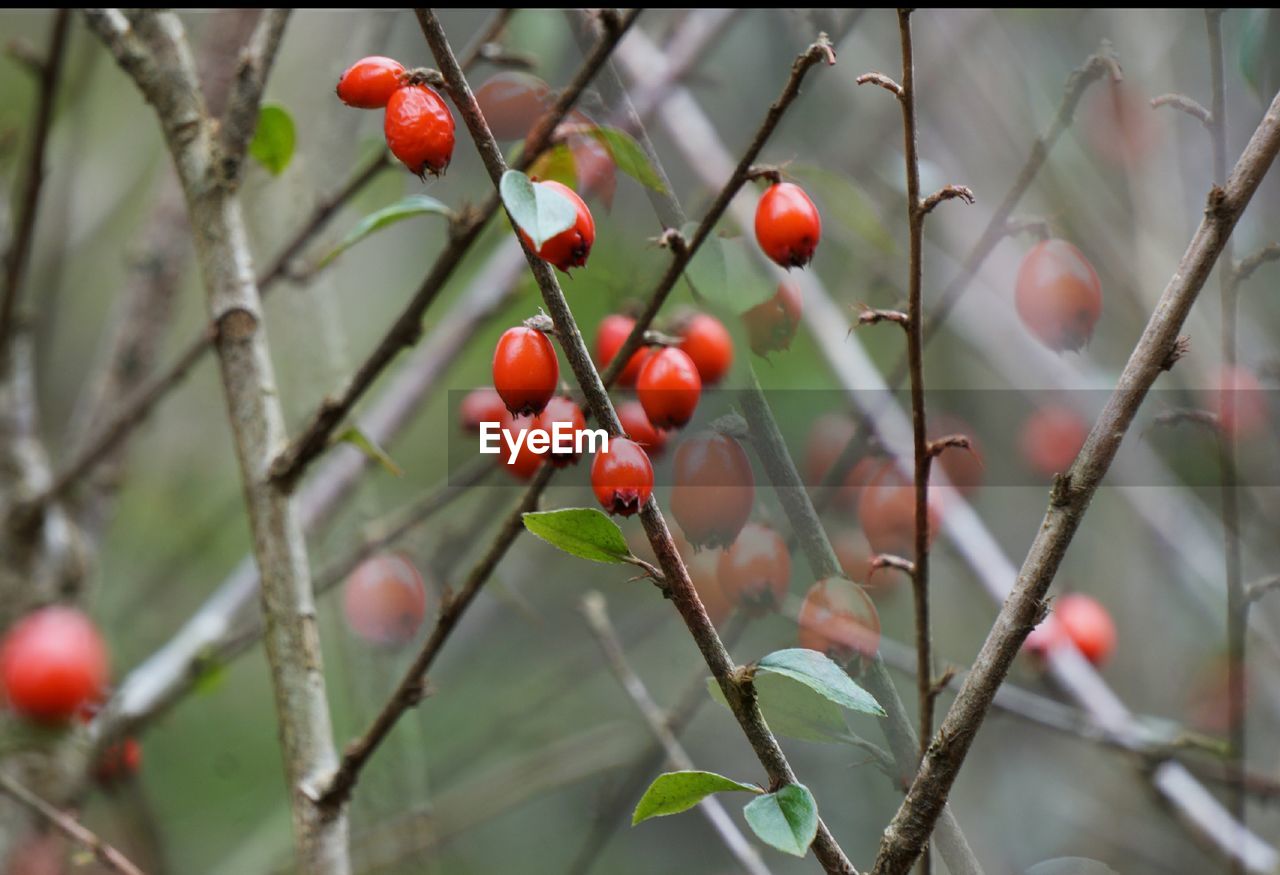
column 869, row 316
column 888, row 560
column 883, row 81
column 1181, row 347
column 947, row 193
column 937, row 447
column 650, row 571
column 1183, row 103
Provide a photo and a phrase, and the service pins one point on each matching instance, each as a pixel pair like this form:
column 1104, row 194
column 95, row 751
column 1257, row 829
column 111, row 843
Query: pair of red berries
column 53, row 665
column 788, row 226
column 418, row 126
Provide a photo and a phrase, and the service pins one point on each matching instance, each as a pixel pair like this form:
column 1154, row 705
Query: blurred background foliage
column 511, row 756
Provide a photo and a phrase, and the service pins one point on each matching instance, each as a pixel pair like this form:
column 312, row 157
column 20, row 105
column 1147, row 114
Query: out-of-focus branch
column 1071, row 496
column 19, row 251
column 245, row 95
column 1185, row 104
column 152, row 48
column 70, row 827
column 597, row 616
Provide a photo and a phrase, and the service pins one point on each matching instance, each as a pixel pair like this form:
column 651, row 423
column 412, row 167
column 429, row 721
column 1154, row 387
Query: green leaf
column 1260, row 52
column 629, row 156
column 580, row 531
column 1071, row 866
column 724, row 273
column 406, row 208
column 556, row 163
column 673, row 792
column 787, row 819
column 539, row 210
column 794, row 710
column 274, row 139
column 818, row 672
column 370, row 448
column 848, row 204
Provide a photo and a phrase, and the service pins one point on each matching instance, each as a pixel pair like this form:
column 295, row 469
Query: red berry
column 756, row 570
column 622, row 477
column 855, row 555
column 772, row 325
column 1239, row 402
column 828, row 437
column 703, row 571
column 638, row 427
column 839, row 619
column 370, row 82
column 669, row 388
column 481, row 405
column 512, row 102
column 419, row 129
column 1058, row 295
column 612, row 333
column 1081, row 619
column 525, row 370
column 118, row 761
column 1051, row 439
column 1119, row 124
column 714, row 489
column 526, row 462
column 887, row 512
column 569, row 248
column 53, row 662
column 385, row 600
column 788, row 226
column 561, row 410
column 705, row 340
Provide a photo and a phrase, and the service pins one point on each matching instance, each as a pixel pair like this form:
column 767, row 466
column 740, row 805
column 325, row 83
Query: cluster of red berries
column 418, row 125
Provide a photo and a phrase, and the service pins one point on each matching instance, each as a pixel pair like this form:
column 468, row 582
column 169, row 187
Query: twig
column 593, row 608
column 19, row 252
column 245, row 95
column 1250, row 263
column 152, row 49
column 1261, row 587
column 70, row 827
column 738, row 693
column 911, row 826
column 1183, row 103
column 481, row 42
column 314, row 438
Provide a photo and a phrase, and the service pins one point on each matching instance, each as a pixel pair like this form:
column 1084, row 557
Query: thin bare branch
column 19, row 253
column 883, row 81
column 597, row 616
column 245, row 96
column 1250, row 263
column 737, row 692
column 1183, row 103
column 911, row 826
column 947, row 193
column 70, row 827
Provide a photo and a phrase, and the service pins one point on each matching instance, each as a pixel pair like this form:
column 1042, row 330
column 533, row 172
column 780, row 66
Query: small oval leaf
column 539, row 210
column 794, row 710
column 673, row 792
column 629, row 156
column 787, row 819
column 556, row 163
column 818, row 672
column 405, row 208
column 723, row 273
column 370, row 448
column 580, row 531
column 274, row 138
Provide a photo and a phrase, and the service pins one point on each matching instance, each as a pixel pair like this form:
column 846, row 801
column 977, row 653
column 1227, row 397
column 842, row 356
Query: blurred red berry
column 756, row 570
column 1058, row 295
column 52, row 663
column 887, row 512
column 385, row 600
column 1239, row 402
column 714, row 489
column 612, row 333
column 1051, row 439
column 771, row 326
column 512, row 102
column 566, row 411
column 638, row 427
column 839, row 619
column 704, row 339
column 481, row 405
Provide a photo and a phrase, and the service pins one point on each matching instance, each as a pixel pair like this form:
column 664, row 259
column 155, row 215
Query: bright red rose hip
column 788, row 226
column 526, row 371
column 569, row 248
column 419, row 129
column 669, row 388
column 370, row 82
column 622, row 477
column 53, row 662
column 707, row 342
